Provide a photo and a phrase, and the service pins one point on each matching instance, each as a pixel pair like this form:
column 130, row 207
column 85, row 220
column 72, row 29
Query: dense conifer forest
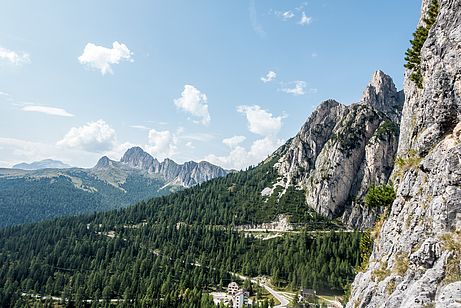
column 29, row 199
column 172, row 250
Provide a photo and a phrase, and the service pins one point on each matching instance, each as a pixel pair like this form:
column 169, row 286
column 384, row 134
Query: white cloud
column 101, row 58
column 260, row 121
column 92, row 137
column 15, row 151
column 47, row 110
column 305, row 20
column 261, row 148
column 240, row 158
column 233, row 141
column 22, row 148
column 140, row 127
column 162, row 144
column 257, row 27
column 118, row 150
column 201, row 137
column 14, row 57
column 286, row 15
column 295, row 88
column 195, row 103
column 270, row 76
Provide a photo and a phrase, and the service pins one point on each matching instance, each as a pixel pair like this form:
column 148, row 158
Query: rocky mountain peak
column 186, row 175
column 341, row 151
column 382, row 95
column 137, row 158
column 413, row 262
column 103, row 163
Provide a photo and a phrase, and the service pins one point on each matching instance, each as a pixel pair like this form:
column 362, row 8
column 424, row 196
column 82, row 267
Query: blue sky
column 227, row 81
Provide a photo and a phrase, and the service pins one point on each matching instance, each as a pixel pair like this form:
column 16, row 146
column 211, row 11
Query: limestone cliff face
column 343, row 150
column 186, row 175
column 416, row 257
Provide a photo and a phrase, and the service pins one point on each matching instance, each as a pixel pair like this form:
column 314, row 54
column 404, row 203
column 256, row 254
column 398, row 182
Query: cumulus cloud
column 305, row 20
column 101, row 58
column 47, row 110
column 23, row 149
column 260, row 121
column 194, row 102
column 162, row 144
column 270, row 76
column 233, row 141
column 295, row 88
column 13, row 151
column 14, row 57
column 92, row 137
column 240, row 158
column 118, row 150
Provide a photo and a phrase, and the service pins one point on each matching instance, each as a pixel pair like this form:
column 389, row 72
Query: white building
column 238, row 296
column 240, row 300
column 233, row 288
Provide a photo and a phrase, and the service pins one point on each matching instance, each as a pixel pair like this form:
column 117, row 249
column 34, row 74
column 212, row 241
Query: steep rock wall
column 416, row 257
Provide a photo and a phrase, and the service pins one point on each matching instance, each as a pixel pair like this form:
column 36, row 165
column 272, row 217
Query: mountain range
column 387, row 166
column 178, row 239
column 34, row 195
column 42, row 164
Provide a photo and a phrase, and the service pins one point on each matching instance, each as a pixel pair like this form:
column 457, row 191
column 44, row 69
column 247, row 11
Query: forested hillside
column 26, row 199
column 35, row 195
column 172, row 250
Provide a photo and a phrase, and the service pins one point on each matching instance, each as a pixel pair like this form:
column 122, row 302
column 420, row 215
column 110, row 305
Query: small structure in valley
column 232, row 288
column 235, row 296
column 306, row 295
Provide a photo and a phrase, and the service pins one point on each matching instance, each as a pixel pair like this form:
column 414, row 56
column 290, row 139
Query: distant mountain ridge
column 33, row 195
column 188, row 174
column 42, row 164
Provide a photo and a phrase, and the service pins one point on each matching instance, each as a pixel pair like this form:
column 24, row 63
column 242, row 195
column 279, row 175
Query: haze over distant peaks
column 42, row 164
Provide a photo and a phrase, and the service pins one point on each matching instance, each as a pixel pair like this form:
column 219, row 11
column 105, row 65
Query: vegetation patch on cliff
column 386, row 128
column 413, row 54
column 452, row 242
column 410, row 161
column 380, row 196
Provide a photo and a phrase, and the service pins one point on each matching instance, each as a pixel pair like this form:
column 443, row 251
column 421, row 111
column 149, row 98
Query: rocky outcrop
column 104, row 163
column 185, row 175
column 416, row 257
column 341, row 151
column 136, row 157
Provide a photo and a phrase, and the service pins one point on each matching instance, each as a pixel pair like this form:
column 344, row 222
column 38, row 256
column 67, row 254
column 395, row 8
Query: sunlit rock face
column 416, row 258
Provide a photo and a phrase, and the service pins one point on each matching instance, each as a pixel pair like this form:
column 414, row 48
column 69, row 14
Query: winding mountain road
column 281, row 298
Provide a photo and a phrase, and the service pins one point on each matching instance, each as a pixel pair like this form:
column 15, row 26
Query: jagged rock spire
column 382, row 95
